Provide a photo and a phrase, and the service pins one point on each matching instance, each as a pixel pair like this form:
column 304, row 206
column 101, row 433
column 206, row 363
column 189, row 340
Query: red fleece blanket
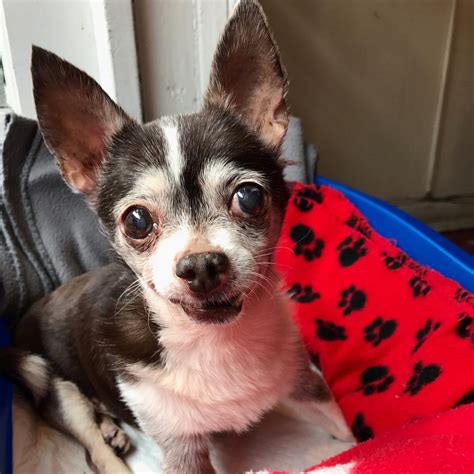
column 441, row 443
column 394, row 339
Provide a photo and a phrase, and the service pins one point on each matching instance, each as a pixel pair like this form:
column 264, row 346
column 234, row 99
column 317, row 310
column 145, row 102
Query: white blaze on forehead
column 174, row 156
column 165, row 257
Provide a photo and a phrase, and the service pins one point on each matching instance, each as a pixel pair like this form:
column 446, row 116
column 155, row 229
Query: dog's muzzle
column 213, row 311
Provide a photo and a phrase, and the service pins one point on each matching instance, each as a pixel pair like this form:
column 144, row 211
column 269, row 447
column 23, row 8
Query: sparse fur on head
column 189, row 333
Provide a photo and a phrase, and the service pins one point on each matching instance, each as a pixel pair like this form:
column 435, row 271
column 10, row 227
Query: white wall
column 176, row 40
column 386, row 90
column 95, row 35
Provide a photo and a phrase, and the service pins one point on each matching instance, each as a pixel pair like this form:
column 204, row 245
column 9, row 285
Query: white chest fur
column 216, row 378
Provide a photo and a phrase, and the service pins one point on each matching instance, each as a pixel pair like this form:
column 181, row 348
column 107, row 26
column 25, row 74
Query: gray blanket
column 47, row 233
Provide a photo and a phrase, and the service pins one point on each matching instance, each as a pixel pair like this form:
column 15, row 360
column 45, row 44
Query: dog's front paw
column 114, row 436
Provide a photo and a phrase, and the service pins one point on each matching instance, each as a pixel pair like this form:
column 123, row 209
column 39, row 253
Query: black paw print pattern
column 352, row 299
column 423, row 333
column 328, row 331
column 417, row 268
column 306, row 198
column 423, row 375
column 465, row 400
column 306, row 243
column 375, row 379
column 379, row 330
column 360, row 429
column 419, row 286
column 394, row 262
column 465, row 327
column 351, row 250
column 464, row 296
column 359, row 224
column 303, row 294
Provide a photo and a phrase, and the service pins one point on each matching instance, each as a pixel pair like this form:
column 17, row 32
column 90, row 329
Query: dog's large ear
column 247, row 75
column 77, row 118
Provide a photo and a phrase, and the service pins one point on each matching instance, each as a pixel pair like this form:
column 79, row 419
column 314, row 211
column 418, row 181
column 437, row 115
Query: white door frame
column 95, row 35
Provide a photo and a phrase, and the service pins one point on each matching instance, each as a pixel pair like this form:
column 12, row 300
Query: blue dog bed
column 417, row 240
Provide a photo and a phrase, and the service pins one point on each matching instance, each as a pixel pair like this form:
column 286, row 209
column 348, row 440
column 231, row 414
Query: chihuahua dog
column 188, row 333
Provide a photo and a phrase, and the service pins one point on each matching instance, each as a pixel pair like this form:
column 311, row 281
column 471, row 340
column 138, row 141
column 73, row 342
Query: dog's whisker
column 262, row 283
column 148, row 317
column 127, row 292
column 131, row 292
column 272, row 250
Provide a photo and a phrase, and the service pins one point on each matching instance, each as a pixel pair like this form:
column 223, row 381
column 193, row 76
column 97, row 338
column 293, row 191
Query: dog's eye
column 137, row 222
column 247, row 200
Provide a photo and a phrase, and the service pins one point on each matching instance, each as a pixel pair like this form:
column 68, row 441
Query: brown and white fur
column 188, row 333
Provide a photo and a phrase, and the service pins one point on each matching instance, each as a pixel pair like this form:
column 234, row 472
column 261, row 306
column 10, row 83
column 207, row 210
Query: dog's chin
column 212, row 311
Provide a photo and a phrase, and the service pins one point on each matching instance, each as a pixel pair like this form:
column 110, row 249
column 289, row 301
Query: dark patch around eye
column 134, row 149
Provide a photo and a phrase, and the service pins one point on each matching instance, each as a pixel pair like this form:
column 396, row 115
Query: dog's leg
column 188, row 454
column 311, row 400
column 69, row 410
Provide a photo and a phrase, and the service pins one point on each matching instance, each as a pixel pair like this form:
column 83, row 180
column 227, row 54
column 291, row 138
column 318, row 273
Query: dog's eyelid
column 262, row 185
column 140, row 201
column 240, row 179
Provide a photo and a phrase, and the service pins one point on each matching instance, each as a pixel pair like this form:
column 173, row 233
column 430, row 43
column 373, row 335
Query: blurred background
column 385, row 88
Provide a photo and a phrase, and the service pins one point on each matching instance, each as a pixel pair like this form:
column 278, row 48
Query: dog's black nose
column 203, row 272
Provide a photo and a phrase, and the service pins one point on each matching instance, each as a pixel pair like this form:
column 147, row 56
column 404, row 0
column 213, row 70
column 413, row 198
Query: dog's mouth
column 216, row 311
